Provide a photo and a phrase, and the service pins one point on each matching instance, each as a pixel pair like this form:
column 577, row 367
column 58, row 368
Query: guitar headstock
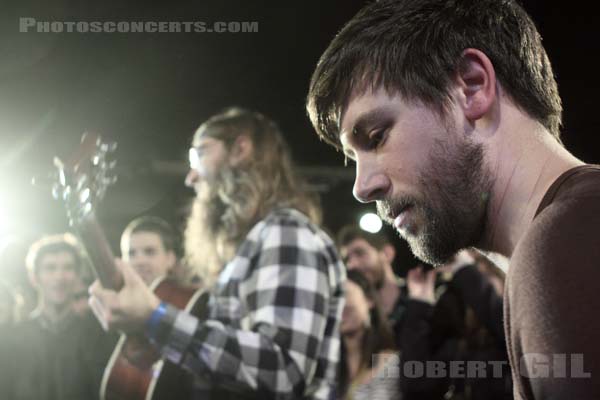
column 84, row 177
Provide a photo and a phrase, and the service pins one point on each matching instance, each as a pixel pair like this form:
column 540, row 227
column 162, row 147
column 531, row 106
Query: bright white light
column 370, row 222
column 3, row 219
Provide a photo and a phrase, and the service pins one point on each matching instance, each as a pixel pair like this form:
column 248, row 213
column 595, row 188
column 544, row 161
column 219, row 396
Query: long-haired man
column 273, row 325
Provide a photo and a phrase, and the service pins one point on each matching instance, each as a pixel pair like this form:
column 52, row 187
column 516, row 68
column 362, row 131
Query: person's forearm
column 236, row 358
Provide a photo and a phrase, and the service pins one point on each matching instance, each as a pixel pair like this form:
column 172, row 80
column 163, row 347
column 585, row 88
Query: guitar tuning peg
column 110, row 180
column 82, row 182
column 104, row 165
column 84, row 135
column 112, row 164
column 56, row 191
column 84, row 196
column 109, row 147
column 87, row 208
column 96, row 160
column 66, row 193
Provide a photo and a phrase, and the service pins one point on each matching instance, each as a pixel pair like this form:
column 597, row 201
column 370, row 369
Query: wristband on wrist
column 154, row 321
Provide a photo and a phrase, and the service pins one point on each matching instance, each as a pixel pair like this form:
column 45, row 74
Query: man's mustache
column 388, row 209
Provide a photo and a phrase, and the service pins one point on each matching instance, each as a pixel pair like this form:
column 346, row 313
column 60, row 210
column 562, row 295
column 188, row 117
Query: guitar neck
column 98, row 250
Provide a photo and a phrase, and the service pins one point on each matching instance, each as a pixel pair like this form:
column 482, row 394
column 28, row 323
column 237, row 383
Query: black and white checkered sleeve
column 287, row 336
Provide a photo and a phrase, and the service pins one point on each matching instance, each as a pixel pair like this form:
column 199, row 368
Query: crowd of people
column 453, row 313
column 58, row 350
column 451, row 113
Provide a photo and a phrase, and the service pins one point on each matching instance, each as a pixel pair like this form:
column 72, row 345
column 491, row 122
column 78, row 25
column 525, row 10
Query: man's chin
column 411, row 234
column 430, row 253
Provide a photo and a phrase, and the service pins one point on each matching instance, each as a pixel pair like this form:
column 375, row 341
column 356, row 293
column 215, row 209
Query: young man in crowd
column 59, row 353
column 148, row 244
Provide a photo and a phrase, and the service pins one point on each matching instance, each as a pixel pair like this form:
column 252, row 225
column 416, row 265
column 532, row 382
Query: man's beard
column 205, row 229
column 209, row 206
column 450, row 214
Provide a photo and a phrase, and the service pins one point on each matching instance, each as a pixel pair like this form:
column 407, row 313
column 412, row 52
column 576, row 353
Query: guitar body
column 136, row 371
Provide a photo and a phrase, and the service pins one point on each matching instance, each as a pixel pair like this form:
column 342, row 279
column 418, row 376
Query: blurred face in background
column 146, row 253
column 56, row 278
column 356, row 314
column 361, row 256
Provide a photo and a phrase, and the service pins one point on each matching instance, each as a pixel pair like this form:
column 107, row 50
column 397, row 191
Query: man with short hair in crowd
column 59, row 353
column 148, row 244
column 372, row 254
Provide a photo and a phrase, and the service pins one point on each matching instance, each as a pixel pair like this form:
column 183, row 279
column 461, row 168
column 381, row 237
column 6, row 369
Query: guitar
column 135, row 370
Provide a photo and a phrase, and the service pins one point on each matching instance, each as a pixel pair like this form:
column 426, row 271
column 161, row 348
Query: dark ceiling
column 148, row 91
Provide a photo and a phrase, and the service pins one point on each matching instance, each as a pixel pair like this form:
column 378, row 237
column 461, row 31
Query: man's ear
column 33, row 279
column 241, row 150
column 477, row 83
column 389, row 252
column 171, row 259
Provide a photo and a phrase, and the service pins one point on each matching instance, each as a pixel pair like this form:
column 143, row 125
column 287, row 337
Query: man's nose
column 137, row 259
column 63, row 274
column 191, row 178
column 371, row 183
column 351, row 263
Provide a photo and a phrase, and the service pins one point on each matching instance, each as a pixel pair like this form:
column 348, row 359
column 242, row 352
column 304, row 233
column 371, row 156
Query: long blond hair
column 243, row 195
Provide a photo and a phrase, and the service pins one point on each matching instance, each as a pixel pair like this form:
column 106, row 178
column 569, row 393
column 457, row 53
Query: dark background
column 149, row 91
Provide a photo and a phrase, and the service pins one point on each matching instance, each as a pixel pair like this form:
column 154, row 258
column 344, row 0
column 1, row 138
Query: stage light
column 3, row 219
column 370, row 222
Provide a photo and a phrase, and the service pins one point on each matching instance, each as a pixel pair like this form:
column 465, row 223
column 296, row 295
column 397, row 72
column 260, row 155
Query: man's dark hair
column 413, row 48
column 155, row 225
column 350, row 233
column 50, row 245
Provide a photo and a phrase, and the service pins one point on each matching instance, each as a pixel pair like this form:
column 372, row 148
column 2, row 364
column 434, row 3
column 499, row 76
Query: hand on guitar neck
column 120, row 299
column 128, row 309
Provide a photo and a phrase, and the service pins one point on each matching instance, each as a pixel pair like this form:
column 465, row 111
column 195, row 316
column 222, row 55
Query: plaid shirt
column 273, row 326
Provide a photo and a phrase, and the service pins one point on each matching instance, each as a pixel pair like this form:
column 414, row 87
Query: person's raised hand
column 421, row 284
column 126, row 310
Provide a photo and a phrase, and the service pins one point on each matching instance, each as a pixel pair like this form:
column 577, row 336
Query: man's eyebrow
column 201, row 146
column 363, row 123
column 369, row 118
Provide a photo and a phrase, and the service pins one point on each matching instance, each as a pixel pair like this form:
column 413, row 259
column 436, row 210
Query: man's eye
column 376, row 137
